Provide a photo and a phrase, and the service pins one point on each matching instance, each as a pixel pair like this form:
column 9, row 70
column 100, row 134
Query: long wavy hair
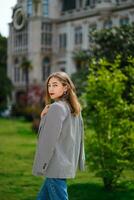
column 70, row 97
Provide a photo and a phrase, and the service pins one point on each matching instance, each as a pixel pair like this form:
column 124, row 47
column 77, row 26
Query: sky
column 6, row 15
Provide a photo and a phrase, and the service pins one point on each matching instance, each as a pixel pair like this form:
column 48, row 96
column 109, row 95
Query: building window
column 62, row 41
column 90, row 3
column 46, row 39
column 29, row 7
column 16, row 70
column 25, row 39
column 118, row 2
column 45, row 7
column 78, row 35
column 63, row 69
column 124, row 21
column 80, row 3
column 16, row 74
column 68, row 5
column 23, row 75
column 20, row 40
column 16, row 61
column 46, row 27
column 108, row 24
column 62, row 66
column 45, row 68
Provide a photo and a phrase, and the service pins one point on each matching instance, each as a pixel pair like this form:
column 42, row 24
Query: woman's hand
column 44, row 111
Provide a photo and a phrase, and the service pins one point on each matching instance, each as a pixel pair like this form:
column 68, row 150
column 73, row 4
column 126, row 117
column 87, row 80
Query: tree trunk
column 108, row 183
column 27, row 85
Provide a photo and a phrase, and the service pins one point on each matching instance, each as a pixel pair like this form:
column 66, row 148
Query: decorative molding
column 19, row 19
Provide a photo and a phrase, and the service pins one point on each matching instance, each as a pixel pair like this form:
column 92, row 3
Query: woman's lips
column 51, row 94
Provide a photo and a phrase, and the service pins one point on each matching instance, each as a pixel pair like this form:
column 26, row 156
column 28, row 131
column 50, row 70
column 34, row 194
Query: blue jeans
column 53, row 189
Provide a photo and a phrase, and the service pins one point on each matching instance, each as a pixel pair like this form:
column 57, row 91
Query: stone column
column 34, row 48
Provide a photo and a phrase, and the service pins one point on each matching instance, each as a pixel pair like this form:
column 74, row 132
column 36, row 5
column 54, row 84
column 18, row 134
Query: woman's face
column 55, row 88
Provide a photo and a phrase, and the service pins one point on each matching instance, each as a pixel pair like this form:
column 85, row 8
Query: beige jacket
column 60, row 146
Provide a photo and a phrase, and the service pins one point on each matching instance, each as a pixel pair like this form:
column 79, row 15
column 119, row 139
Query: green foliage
column 5, row 83
column 129, row 73
column 3, row 51
column 111, row 148
column 110, row 42
column 5, row 88
column 29, row 112
column 26, row 66
column 80, row 77
column 107, row 43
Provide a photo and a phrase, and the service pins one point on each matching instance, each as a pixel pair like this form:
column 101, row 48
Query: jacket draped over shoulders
column 60, row 144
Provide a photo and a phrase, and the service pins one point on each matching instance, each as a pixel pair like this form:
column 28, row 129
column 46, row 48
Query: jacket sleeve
column 48, row 137
column 82, row 149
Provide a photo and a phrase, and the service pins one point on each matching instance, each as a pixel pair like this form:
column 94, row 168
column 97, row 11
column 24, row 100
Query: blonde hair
column 70, row 97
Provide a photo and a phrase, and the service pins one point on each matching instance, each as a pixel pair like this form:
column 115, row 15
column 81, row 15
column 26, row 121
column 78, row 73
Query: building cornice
column 86, row 13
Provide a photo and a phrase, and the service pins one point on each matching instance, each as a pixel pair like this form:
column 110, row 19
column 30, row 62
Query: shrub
column 111, row 148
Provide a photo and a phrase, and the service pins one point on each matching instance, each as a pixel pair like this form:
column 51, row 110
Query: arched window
column 16, row 61
column 45, row 68
column 16, row 70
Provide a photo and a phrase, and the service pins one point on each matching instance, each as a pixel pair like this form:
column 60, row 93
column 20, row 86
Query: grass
column 17, row 147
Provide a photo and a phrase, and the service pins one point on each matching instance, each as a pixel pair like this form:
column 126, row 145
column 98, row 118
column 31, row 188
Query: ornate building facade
column 48, row 32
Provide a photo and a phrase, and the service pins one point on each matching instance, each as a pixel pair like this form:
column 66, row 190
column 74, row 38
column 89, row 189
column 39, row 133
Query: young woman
column 60, row 148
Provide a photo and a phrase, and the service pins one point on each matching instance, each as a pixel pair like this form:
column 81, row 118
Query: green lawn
column 17, row 146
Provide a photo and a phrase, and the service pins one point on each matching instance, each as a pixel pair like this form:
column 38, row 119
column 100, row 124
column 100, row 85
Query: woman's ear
column 65, row 88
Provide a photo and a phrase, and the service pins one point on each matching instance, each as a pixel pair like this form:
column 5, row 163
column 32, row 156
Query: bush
column 29, row 112
column 111, row 148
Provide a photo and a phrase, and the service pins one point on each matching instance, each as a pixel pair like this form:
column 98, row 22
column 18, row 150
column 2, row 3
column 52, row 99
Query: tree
column 5, row 83
column 108, row 43
column 26, row 67
column 81, row 59
column 111, row 147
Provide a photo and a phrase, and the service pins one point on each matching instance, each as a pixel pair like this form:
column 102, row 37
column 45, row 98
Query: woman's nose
column 50, row 88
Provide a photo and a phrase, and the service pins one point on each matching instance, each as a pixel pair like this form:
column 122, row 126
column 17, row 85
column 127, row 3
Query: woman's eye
column 52, row 86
